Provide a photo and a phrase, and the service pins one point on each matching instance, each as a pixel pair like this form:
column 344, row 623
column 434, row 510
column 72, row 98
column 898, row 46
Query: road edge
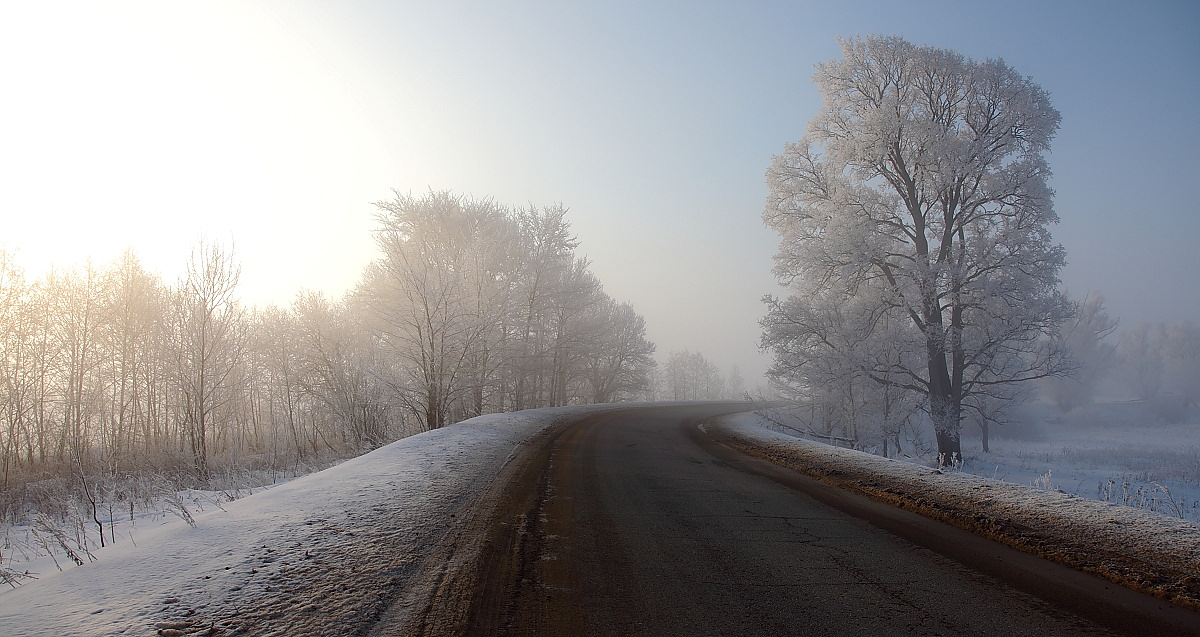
column 1174, row 577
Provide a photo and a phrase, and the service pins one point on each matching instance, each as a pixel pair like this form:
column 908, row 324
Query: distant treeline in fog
column 474, row 307
column 1156, row 363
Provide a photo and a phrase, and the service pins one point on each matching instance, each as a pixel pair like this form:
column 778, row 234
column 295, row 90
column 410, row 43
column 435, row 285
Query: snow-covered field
column 1117, row 452
column 283, row 557
column 1112, row 452
column 1156, row 553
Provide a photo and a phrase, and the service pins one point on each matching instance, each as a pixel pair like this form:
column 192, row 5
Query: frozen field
column 1113, row 452
column 1124, row 453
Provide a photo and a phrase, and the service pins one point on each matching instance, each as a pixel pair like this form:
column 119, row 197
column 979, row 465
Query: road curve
column 634, row 522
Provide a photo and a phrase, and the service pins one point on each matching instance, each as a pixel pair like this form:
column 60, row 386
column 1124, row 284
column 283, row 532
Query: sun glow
column 150, row 125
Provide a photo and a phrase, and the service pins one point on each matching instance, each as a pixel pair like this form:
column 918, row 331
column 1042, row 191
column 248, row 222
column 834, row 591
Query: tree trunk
column 949, row 448
column 944, row 408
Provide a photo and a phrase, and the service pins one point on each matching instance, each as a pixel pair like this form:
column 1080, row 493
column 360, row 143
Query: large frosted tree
column 918, row 202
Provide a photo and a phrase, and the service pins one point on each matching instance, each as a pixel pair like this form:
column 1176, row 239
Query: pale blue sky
column 277, row 123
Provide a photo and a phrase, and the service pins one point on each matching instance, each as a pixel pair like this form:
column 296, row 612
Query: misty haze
column 325, row 319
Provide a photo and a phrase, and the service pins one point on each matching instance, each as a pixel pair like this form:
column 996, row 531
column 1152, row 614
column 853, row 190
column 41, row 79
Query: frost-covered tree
column 484, row 308
column 334, row 368
column 841, row 360
column 422, row 294
column 690, row 376
column 622, row 359
column 919, row 192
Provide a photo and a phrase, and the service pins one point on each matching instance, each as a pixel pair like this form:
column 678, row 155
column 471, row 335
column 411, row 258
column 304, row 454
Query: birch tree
column 920, row 190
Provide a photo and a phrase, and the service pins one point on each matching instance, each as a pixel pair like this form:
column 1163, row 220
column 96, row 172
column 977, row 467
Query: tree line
column 474, row 307
column 1156, row 364
column 689, row 375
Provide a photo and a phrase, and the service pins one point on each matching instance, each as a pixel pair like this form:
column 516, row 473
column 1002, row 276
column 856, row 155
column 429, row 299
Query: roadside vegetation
column 122, row 395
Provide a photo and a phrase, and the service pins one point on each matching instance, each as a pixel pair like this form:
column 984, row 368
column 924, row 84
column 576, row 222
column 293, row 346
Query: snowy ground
column 1156, row 553
column 282, row 558
column 1110, row 452
column 38, row 546
column 342, row 547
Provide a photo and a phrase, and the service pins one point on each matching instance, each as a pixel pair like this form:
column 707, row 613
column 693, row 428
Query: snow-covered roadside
column 1143, row 550
column 332, row 549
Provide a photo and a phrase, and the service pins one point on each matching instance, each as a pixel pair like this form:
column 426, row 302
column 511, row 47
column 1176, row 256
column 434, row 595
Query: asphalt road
column 635, row 523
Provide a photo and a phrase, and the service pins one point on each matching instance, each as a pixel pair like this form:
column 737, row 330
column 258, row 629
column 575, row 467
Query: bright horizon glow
column 153, row 126
column 273, row 125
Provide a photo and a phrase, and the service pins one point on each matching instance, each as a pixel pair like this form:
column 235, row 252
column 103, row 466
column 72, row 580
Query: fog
column 240, row 242
column 275, row 126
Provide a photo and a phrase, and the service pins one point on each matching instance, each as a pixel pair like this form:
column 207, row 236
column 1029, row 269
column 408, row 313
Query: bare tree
column 208, row 346
column 690, row 376
column 547, row 248
column 132, row 315
column 276, row 356
column 490, row 308
column 76, row 318
column 15, row 356
column 335, row 371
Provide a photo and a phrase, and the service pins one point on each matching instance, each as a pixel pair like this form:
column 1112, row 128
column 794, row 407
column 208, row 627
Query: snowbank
column 333, row 549
column 1139, row 549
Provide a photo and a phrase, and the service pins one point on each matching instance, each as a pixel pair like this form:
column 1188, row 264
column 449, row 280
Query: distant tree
column 334, row 368
column 621, row 360
column 131, row 338
column 275, row 358
column 735, row 385
column 487, row 308
column 15, row 386
column 1160, row 364
column 690, row 376
column 920, row 192
column 1094, row 357
column 76, row 317
column 1141, row 355
column 1182, row 359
